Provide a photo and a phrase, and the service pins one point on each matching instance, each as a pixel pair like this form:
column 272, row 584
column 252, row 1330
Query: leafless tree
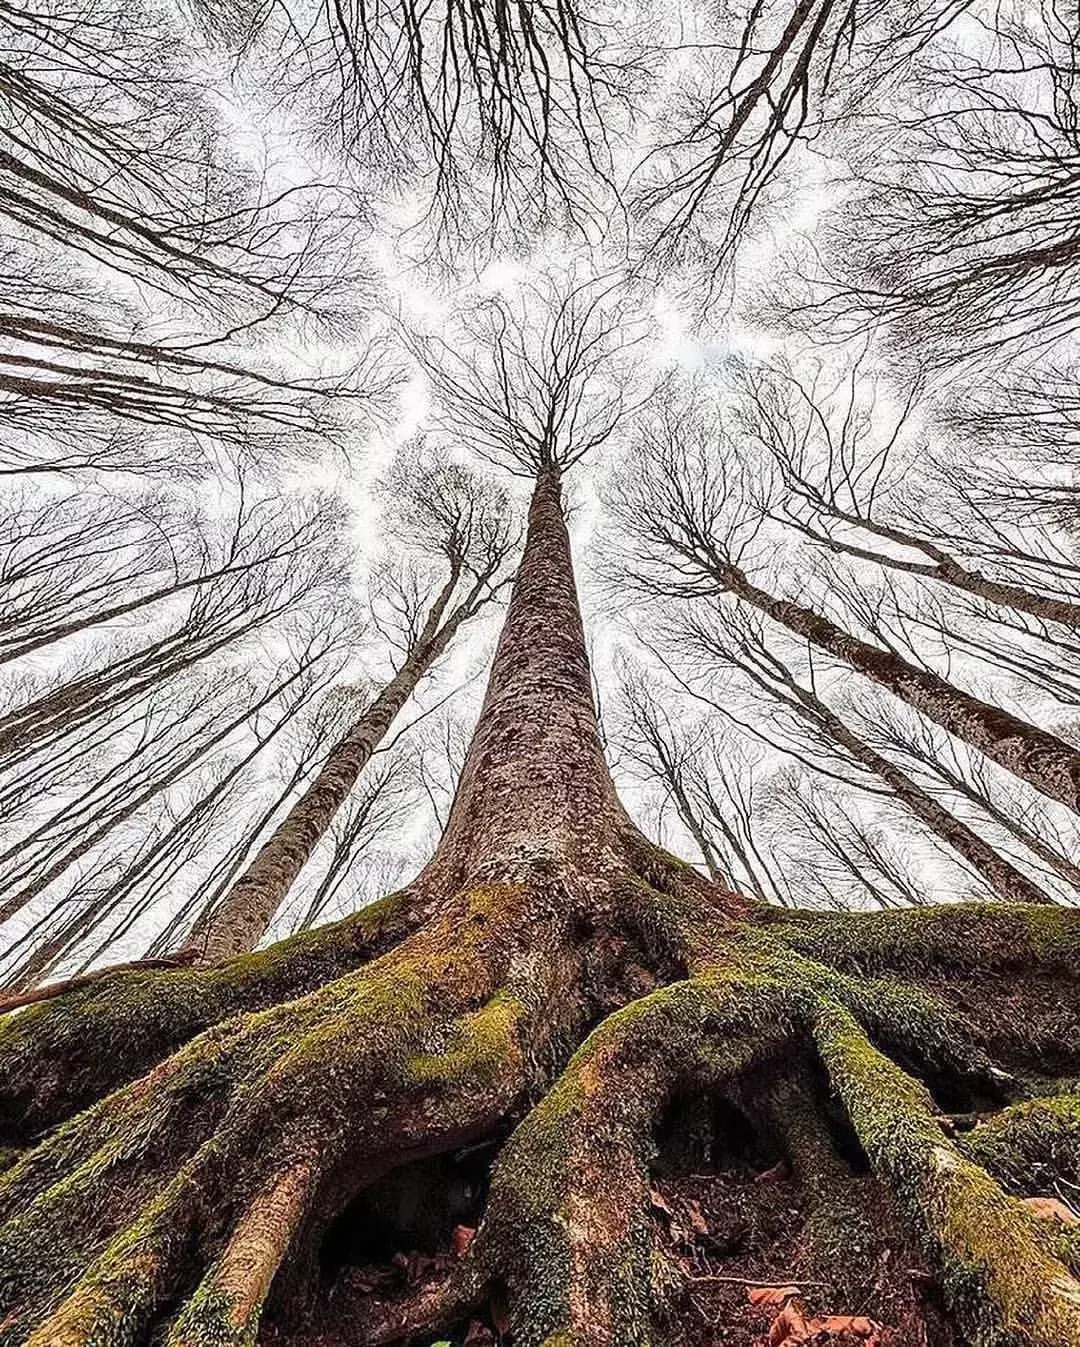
column 828, row 746
column 960, row 233
column 501, row 117
column 694, row 541
column 462, row 521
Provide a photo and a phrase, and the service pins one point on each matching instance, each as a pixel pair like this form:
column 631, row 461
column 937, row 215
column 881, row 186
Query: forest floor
column 738, row 1253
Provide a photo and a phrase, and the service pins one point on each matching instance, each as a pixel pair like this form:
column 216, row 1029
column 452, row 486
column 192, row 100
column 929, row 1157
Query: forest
column 539, row 673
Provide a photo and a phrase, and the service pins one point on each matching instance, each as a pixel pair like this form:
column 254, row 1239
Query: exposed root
column 51, row 1058
column 185, row 1205
column 1032, row 1147
column 225, row 1309
column 997, row 1274
column 567, row 1227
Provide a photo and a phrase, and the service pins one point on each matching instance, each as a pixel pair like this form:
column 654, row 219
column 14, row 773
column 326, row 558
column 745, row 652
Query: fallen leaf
column 846, row 1323
column 479, row 1335
column 1050, row 1209
column 697, row 1221
column 659, row 1202
column 789, row 1327
column 461, row 1237
column 778, row 1171
column 771, row 1295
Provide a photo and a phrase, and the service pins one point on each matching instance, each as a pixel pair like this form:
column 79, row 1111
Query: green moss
column 1031, row 1145
column 51, row 1063
column 958, row 935
column 210, row 1319
column 482, row 1045
column 998, row 1276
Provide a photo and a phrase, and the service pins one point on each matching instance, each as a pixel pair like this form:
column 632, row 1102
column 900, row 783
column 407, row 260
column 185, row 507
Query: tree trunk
column 1002, row 877
column 643, row 1090
column 1042, row 759
column 239, row 922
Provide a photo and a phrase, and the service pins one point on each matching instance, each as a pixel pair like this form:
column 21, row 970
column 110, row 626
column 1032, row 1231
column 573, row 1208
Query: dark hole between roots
column 709, row 1133
column 413, row 1209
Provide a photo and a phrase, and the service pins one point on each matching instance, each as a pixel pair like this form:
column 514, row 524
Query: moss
column 482, row 1045
column 209, row 1319
column 1030, row 1146
column 959, row 935
column 998, row 1276
column 51, row 1064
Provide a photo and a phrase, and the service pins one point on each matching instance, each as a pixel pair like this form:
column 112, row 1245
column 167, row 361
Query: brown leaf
column 789, row 1327
column 846, row 1323
column 771, row 1295
column 659, row 1202
column 697, row 1221
column 461, row 1237
column 778, row 1171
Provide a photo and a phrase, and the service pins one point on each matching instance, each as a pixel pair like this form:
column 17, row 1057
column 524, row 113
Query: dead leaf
column 461, row 1237
column 697, row 1221
column 659, row 1202
column 1050, row 1209
column 846, row 1323
column 479, row 1335
column 778, row 1171
column 771, row 1295
column 789, row 1327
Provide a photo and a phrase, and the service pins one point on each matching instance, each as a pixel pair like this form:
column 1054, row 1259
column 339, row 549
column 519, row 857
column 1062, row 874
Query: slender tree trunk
column 946, row 568
column 1000, row 875
column 1036, row 756
column 239, row 922
column 1038, row 846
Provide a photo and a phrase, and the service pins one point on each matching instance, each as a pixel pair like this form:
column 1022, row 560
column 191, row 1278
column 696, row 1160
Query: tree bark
column 239, row 922
column 558, row 991
column 1042, row 759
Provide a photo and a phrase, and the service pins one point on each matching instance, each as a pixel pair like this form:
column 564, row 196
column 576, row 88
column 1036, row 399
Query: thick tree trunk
column 567, row 1009
column 1042, row 759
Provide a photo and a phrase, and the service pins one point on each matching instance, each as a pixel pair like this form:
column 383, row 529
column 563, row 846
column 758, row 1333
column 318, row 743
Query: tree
column 468, row 526
column 203, row 1171
column 826, row 744
column 693, row 534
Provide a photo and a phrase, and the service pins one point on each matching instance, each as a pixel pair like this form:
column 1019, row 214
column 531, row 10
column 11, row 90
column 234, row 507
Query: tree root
column 421, row 1048
column 1000, row 1280
column 173, row 1206
column 51, row 1059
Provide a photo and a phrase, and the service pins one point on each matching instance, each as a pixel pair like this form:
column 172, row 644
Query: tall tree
column 205, row 1199
column 467, row 525
column 693, row 543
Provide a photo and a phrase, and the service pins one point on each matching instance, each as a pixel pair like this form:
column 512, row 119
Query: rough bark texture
column 557, row 1034
column 1036, row 756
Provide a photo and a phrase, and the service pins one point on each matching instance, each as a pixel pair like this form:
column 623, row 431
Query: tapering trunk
column 1042, row 759
column 1001, row 876
column 535, row 789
